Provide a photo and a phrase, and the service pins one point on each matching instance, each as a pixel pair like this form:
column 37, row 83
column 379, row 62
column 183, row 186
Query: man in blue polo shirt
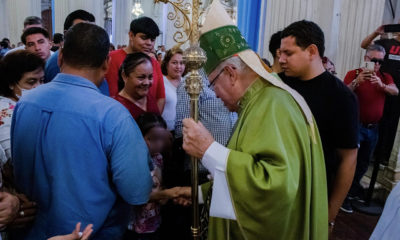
column 77, row 153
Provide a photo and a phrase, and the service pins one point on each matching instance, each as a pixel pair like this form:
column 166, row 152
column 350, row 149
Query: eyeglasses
column 376, row 60
column 212, row 83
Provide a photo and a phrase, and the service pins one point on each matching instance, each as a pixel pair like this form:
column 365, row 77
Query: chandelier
column 137, row 8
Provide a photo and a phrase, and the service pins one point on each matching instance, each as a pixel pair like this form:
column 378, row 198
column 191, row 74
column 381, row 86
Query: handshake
column 179, row 195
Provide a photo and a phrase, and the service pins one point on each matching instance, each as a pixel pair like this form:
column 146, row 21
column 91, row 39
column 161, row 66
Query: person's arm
column 389, row 88
column 130, row 161
column 345, row 127
column 158, row 82
column 165, row 194
column 363, row 76
column 343, row 180
column 9, row 206
column 354, row 78
column 112, row 77
column 26, row 213
column 368, row 40
column 161, row 104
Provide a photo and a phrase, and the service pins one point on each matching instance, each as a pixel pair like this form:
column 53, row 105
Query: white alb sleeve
column 215, row 160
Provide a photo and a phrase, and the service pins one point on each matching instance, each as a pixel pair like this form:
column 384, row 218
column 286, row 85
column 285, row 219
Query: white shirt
column 388, row 226
column 169, row 113
column 215, row 160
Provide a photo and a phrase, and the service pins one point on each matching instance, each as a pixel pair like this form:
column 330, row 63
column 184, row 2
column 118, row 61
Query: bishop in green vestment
column 269, row 182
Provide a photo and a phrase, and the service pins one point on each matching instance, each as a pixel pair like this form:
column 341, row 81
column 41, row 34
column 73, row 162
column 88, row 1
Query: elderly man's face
column 220, row 83
column 294, row 60
column 39, row 44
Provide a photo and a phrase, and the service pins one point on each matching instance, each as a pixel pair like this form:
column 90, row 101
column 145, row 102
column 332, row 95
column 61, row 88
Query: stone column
column 391, row 173
column 388, row 14
column 64, row 7
column 158, row 12
column 13, row 13
column 345, row 24
column 280, row 14
column 4, row 31
column 122, row 17
column 358, row 18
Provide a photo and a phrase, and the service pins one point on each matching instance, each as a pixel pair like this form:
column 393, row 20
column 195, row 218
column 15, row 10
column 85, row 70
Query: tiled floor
column 355, row 226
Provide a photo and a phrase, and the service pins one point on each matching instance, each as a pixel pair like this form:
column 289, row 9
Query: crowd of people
column 100, row 137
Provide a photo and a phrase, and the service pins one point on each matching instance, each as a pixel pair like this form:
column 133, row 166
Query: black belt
column 369, row 125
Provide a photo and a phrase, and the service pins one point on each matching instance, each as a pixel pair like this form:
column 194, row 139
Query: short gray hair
column 235, row 61
column 376, row 47
column 32, row 20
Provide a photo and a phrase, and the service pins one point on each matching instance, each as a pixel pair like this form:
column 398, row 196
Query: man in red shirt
column 142, row 35
column 371, row 88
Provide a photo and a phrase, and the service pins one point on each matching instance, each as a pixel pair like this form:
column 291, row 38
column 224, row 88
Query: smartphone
column 370, row 66
column 390, row 28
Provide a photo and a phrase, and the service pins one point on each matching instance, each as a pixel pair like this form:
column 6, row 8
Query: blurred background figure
column 274, row 45
column 173, row 70
column 159, row 57
column 146, row 219
column 328, row 65
column 4, row 47
column 58, row 41
column 30, row 21
column 20, row 71
column 112, row 47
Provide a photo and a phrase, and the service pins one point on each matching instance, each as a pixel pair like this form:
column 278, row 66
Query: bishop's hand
column 196, row 138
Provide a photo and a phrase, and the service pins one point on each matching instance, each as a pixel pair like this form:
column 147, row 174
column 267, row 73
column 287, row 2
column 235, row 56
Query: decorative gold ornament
column 182, row 21
column 194, row 58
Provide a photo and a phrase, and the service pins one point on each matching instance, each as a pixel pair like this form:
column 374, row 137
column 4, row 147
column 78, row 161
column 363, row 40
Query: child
column 147, row 217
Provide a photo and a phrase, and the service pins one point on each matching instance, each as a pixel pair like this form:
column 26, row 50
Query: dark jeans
column 368, row 139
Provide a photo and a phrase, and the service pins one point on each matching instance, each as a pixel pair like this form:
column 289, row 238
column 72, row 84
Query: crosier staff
column 194, row 58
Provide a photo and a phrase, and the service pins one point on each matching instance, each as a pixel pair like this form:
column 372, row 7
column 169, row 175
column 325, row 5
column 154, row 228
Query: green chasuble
column 275, row 173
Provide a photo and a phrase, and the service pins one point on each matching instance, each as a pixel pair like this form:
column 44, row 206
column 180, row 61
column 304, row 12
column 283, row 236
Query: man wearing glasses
column 371, row 88
column 269, row 181
column 391, row 112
